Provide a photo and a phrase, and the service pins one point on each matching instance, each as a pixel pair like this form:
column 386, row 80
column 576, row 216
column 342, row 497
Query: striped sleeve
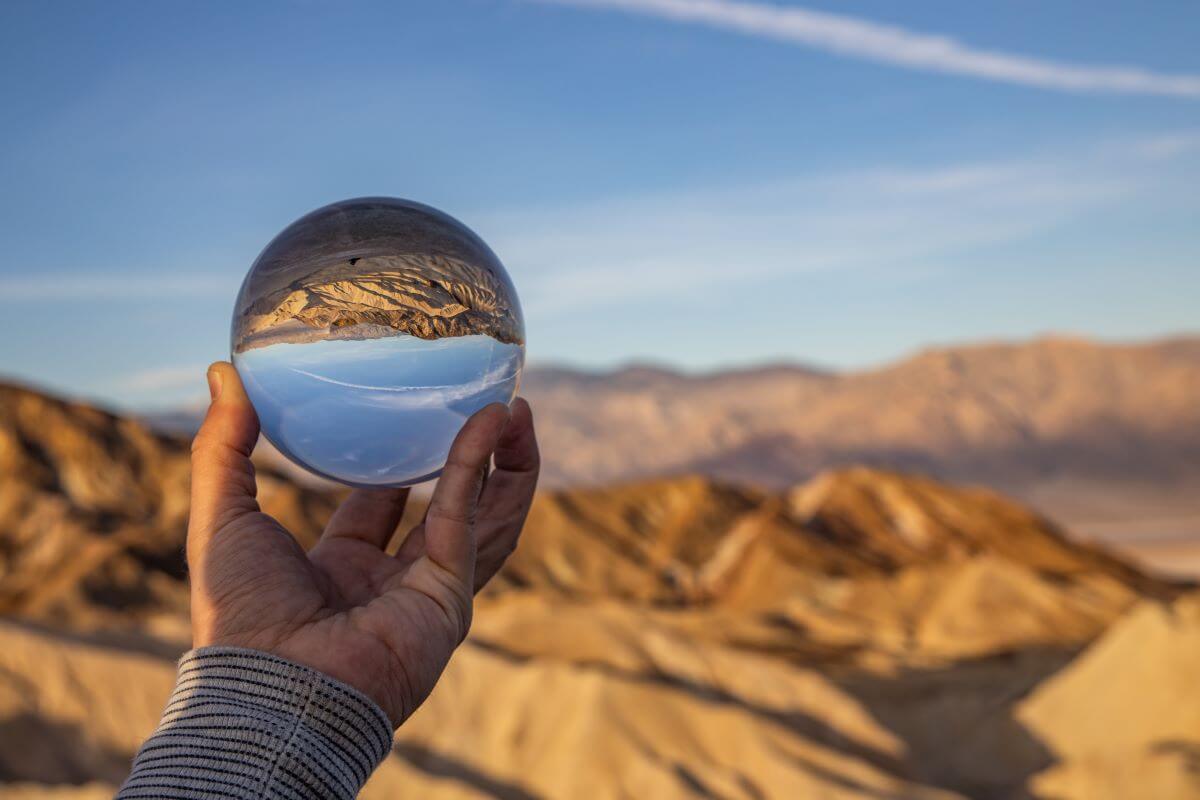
column 245, row 724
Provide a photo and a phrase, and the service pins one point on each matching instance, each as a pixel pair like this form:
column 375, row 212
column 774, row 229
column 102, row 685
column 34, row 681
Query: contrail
column 336, row 382
column 890, row 44
column 428, row 395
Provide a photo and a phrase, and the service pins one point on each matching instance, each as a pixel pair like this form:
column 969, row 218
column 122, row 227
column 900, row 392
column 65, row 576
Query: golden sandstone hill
column 93, row 509
column 864, row 634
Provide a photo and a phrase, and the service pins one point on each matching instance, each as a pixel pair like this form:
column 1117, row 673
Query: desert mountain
column 677, row 638
column 1104, row 437
column 93, row 510
column 1000, row 414
column 429, row 297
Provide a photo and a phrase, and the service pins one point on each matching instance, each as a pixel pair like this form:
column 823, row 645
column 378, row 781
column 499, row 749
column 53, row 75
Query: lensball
column 367, row 332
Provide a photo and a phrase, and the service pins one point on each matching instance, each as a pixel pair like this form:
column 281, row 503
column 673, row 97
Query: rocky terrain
column 93, row 508
column 866, row 633
column 429, row 297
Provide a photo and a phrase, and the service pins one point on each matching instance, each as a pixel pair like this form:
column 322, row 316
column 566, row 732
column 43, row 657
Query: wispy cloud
column 883, row 224
column 860, row 38
column 403, row 396
column 162, row 379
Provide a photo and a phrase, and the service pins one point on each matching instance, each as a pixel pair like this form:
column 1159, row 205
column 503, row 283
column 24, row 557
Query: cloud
column 164, row 379
column 889, row 44
column 879, row 224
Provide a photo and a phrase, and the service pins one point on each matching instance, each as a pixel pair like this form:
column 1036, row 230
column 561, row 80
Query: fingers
column 223, row 485
column 509, row 493
column 517, row 450
column 449, row 538
column 369, row 515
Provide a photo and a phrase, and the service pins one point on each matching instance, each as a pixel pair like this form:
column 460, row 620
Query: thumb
column 223, row 485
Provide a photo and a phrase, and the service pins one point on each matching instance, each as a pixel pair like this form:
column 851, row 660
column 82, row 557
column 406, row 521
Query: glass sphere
column 368, row 331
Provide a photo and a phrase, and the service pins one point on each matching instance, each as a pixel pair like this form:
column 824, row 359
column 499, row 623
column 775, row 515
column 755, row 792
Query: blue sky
column 696, row 182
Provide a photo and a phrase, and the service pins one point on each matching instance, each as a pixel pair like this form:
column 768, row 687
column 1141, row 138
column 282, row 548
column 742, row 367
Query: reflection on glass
column 367, row 332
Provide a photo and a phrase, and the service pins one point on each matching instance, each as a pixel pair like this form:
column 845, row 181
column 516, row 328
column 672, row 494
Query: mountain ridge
column 1185, row 343
column 1105, row 437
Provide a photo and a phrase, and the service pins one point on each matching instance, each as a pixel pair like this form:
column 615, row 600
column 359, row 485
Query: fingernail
column 214, row 385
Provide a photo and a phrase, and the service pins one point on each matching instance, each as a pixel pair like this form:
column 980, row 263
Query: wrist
column 366, row 669
column 284, row 726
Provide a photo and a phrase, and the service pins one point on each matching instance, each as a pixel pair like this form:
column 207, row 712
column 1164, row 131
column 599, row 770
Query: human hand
column 383, row 624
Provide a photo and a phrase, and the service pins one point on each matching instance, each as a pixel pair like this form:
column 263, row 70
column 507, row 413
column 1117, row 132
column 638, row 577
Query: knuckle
column 457, row 462
column 209, row 448
column 449, row 512
column 456, row 604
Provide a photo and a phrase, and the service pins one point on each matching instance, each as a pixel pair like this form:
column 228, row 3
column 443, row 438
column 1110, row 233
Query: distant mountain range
column 1104, row 436
column 676, row 638
column 1003, row 414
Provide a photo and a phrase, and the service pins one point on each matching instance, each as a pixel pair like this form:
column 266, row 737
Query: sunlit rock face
column 368, row 331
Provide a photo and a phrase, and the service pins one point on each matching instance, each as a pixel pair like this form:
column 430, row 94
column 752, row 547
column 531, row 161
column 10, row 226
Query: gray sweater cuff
column 245, row 724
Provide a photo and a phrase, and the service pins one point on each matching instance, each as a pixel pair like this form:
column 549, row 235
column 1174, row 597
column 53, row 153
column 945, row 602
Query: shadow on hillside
column 1097, row 457
column 956, row 723
column 120, row 642
column 443, row 766
column 39, row 750
column 1188, row 752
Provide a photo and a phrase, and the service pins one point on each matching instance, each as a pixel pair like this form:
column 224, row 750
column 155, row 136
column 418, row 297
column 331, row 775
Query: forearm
column 245, row 724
